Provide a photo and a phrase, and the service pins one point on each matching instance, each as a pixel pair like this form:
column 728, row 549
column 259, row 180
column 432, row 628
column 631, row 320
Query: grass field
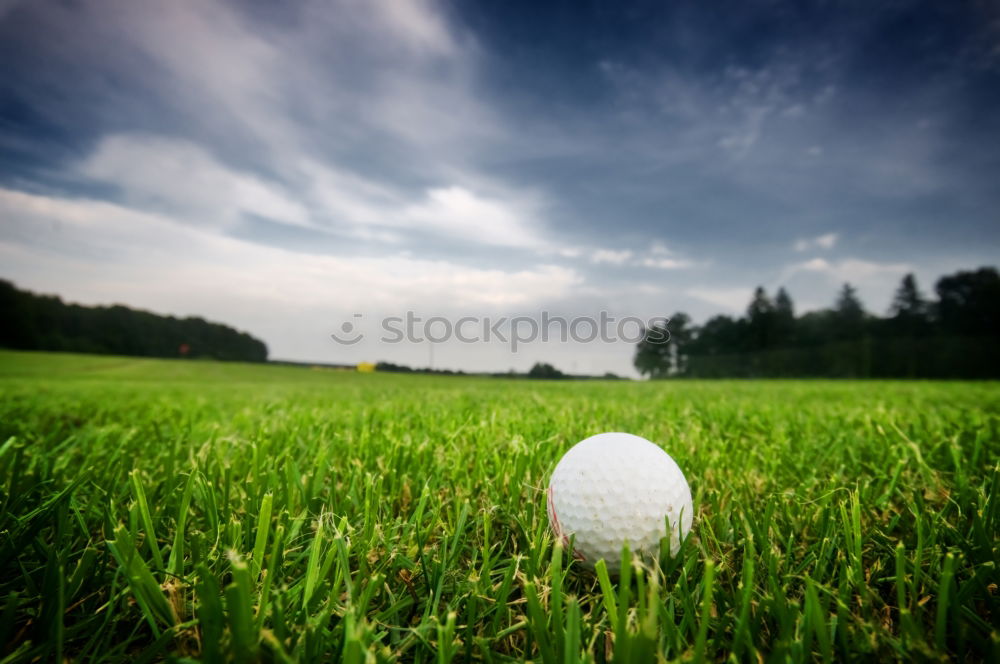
column 158, row 510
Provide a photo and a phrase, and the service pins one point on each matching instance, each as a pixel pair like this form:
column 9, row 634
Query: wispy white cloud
column 848, row 269
column 183, row 179
column 416, row 23
column 227, row 77
column 825, row 241
column 658, row 257
column 661, row 263
column 459, row 213
column 155, row 262
column 415, row 99
column 612, row 256
column 569, row 252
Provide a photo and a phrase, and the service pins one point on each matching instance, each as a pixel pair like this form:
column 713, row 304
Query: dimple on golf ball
column 614, row 488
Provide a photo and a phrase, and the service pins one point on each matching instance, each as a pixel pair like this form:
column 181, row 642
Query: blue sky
column 282, row 166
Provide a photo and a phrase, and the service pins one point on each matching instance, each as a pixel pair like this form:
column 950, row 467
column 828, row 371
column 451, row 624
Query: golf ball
column 614, row 488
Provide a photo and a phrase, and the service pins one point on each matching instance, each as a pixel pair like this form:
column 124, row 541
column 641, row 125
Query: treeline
column 538, row 371
column 546, row 371
column 45, row 322
column 954, row 335
column 541, row 370
column 390, row 367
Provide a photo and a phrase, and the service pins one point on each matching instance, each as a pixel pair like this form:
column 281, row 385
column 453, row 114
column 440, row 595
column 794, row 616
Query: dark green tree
column 682, row 334
column 784, row 318
column 720, row 335
column 909, row 313
column 969, row 303
column 43, row 322
column 662, row 352
column 848, row 314
column 908, row 301
column 760, row 320
column 545, row 370
column 652, row 353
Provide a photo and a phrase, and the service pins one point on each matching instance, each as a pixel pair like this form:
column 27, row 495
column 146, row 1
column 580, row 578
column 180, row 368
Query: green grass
column 163, row 510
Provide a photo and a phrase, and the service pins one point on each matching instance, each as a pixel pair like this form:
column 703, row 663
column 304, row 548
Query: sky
column 292, row 168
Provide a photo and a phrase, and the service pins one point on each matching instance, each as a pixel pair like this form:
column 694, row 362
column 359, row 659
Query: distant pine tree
column 784, row 318
column 909, row 313
column 908, row 301
column 849, row 314
column 760, row 320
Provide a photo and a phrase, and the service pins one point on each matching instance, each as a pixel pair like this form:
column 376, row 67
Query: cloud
column 229, row 77
column 290, row 106
column 340, row 70
column 152, row 261
column 611, row 256
column 184, row 179
column 825, row 241
column 458, row 213
column 848, row 269
column 657, row 258
column 415, row 22
column 661, row 263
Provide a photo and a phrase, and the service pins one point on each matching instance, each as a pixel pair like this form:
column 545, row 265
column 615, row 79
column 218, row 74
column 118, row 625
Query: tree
column 720, row 335
column 716, row 347
column 969, row 303
column 849, row 314
column 44, row 322
column 663, row 349
column 760, row 319
column 652, row 353
column 545, row 370
column 954, row 337
column 909, row 311
column 783, row 304
column 908, row 300
column 784, row 318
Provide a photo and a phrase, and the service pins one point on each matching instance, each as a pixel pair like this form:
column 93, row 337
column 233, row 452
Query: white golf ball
column 616, row 487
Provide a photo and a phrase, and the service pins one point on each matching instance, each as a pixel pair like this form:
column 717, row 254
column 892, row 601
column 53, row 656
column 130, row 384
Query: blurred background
column 805, row 188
